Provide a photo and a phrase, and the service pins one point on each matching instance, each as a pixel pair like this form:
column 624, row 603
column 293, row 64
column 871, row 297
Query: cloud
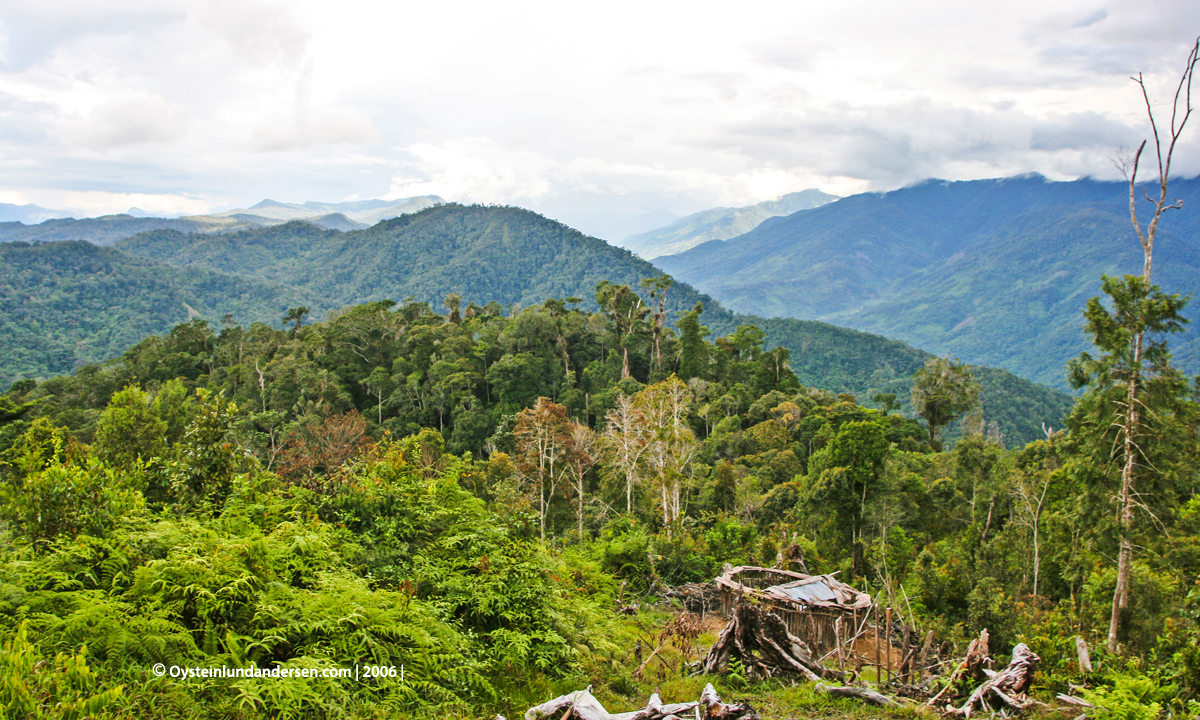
column 131, row 118
column 590, row 117
column 790, row 52
column 258, row 32
column 472, row 170
column 895, row 143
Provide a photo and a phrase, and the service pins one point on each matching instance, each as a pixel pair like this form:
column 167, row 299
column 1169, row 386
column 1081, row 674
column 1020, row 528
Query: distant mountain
column 364, row 212
column 108, row 229
column 643, row 223
column 992, row 271
column 28, row 213
column 719, row 224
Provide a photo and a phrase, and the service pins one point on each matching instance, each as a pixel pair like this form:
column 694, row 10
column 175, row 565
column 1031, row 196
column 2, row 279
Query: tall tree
column 624, row 442
column 1143, row 310
column 543, row 436
column 658, row 296
column 941, row 391
column 627, row 312
column 671, row 443
column 580, row 457
column 693, row 352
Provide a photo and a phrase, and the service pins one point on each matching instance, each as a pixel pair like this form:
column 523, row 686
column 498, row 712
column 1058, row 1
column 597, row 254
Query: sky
column 595, row 114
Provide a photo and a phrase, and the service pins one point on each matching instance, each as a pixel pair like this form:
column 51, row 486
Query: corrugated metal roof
column 805, row 592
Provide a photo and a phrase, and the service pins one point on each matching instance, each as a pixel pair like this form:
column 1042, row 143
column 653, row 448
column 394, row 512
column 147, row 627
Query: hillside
column 70, row 303
column 950, row 267
column 719, row 224
column 485, row 254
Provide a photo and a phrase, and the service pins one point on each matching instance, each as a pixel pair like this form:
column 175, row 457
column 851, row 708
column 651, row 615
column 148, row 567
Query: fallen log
column 861, row 693
column 714, row 709
column 582, row 705
column 1072, row 700
column 760, row 640
column 1008, row 686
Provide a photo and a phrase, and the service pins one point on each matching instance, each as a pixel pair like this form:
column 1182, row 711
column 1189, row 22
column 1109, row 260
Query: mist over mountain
column 719, row 224
column 992, row 271
column 363, row 212
column 28, row 214
column 108, row 229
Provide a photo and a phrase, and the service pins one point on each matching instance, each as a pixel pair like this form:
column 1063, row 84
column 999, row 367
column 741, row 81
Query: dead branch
column 1008, row 686
column 974, row 662
column 861, row 693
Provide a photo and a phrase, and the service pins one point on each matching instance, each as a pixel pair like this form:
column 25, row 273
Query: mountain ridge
column 719, row 224
column 879, row 261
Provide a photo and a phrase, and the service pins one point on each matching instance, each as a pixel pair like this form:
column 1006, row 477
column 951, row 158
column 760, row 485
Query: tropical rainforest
column 67, row 304
column 495, row 501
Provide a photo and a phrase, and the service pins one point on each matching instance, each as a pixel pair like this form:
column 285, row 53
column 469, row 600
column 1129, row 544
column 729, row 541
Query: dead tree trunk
column 759, row 638
column 1008, row 686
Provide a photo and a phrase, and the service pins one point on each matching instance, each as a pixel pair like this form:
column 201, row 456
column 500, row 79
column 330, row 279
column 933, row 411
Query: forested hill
column 82, row 312
column 65, row 304
column 486, row 254
column 992, row 271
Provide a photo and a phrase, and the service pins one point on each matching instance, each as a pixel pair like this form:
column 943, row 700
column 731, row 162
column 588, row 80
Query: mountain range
column 992, row 271
column 718, row 224
column 69, row 303
column 108, row 229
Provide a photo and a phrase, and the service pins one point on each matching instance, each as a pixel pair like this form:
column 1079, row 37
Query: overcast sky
column 592, row 114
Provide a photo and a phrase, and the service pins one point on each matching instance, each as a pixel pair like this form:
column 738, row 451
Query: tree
column 543, row 441
column 845, row 475
column 628, row 314
column 1133, row 397
column 130, row 429
column 941, row 391
column 1144, row 307
column 670, row 442
column 624, row 442
column 379, row 383
column 693, row 352
column 581, row 456
column 658, row 295
column 296, row 315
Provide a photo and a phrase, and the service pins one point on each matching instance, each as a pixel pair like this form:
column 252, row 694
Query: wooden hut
column 816, row 608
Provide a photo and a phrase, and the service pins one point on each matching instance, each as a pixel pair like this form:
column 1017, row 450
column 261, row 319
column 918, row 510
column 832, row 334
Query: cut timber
column 861, row 693
column 714, row 709
column 760, row 640
column 582, row 705
column 1008, row 686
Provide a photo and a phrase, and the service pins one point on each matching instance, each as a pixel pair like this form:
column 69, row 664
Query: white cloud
column 131, row 118
column 589, row 113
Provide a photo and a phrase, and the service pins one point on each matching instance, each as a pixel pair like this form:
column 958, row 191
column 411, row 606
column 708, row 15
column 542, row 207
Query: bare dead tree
column 1164, row 149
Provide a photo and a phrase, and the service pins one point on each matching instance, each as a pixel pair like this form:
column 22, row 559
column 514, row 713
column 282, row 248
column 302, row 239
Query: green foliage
column 1130, row 696
column 69, row 499
column 65, row 689
column 942, row 391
